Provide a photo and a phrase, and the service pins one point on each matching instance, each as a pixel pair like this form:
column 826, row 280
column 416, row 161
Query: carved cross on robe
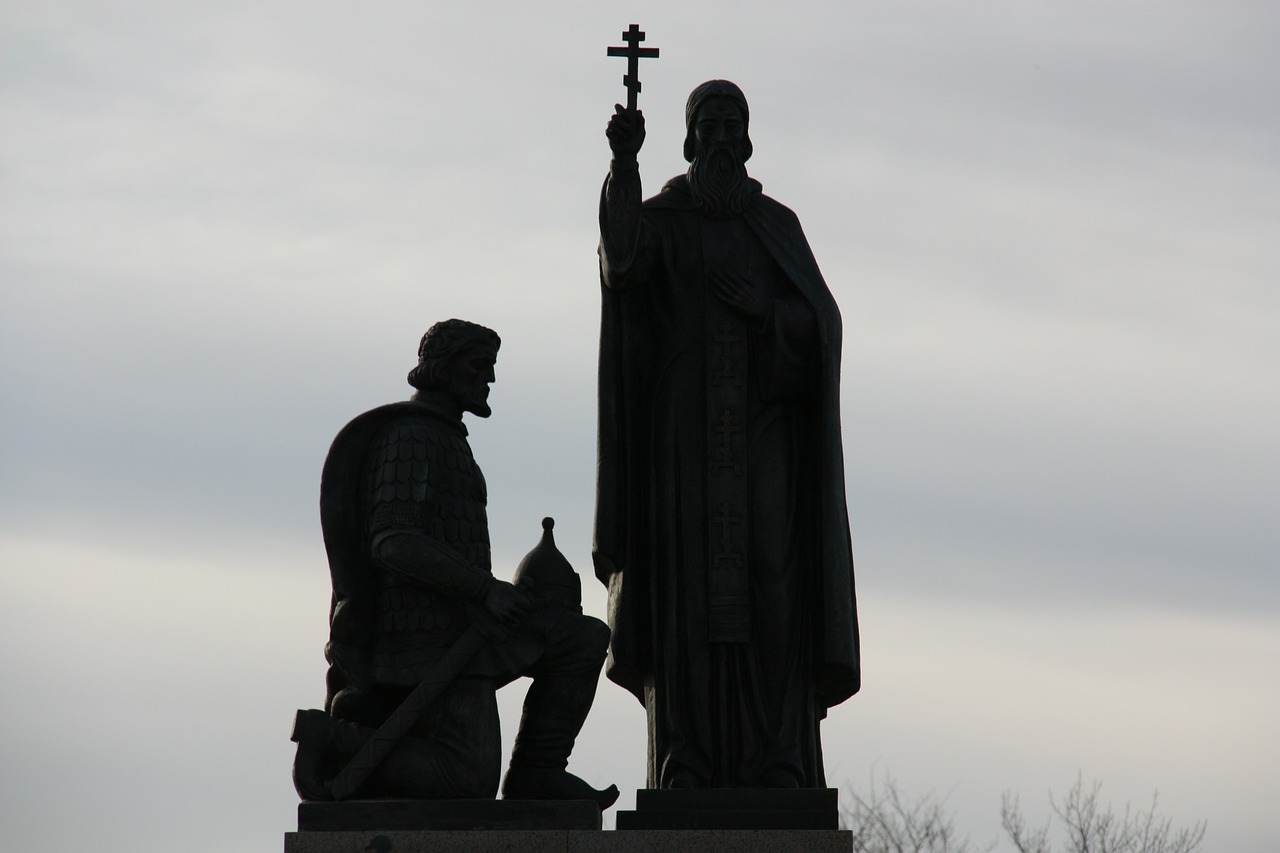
column 727, row 341
column 726, row 428
column 727, row 520
column 634, row 53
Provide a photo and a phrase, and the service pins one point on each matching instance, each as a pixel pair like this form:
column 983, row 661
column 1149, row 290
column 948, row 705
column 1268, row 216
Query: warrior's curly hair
column 438, row 346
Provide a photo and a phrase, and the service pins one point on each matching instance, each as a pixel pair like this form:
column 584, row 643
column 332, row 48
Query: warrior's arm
column 433, row 564
column 398, row 484
column 414, row 555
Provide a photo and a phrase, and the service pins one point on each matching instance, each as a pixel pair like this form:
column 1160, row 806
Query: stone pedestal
column 440, row 826
column 442, row 815
column 575, row 841
column 692, row 822
column 733, row 808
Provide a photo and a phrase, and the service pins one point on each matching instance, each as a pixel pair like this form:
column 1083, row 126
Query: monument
column 421, row 632
column 721, row 534
column 721, row 527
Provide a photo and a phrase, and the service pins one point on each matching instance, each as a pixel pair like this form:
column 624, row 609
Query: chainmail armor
column 422, row 475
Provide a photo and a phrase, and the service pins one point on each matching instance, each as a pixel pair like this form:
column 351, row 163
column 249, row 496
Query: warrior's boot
column 325, row 745
column 554, row 710
column 318, row 759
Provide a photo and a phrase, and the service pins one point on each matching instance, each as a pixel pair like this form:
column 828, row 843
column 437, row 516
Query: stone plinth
column 574, row 841
column 733, row 808
column 783, row 821
column 441, row 815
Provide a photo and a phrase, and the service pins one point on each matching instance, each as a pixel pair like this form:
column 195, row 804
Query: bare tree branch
column 886, row 820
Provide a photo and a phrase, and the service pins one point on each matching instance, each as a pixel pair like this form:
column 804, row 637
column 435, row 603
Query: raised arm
column 620, row 224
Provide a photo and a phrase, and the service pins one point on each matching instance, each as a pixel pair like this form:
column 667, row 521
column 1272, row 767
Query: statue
column 721, row 528
column 421, row 633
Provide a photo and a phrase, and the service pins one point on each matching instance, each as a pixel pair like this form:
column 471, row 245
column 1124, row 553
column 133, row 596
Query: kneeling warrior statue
column 421, row 632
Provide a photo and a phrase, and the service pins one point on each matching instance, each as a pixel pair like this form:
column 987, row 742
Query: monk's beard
column 719, row 184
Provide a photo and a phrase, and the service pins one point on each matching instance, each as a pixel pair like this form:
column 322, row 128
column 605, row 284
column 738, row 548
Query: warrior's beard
column 719, row 184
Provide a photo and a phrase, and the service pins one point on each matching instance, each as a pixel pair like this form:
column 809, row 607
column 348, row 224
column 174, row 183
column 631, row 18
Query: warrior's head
column 455, row 364
column 717, row 147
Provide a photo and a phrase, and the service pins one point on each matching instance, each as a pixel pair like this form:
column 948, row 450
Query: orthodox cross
column 726, row 338
column 727, row 428
column 634, row 53
column 728, row 370
column 727, row 519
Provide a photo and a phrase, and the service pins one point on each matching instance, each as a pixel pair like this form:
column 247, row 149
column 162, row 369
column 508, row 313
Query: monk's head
column 724, row 94
column 717, row 147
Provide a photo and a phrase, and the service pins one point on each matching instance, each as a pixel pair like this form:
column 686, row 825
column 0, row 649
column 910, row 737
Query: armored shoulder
column 397, row 466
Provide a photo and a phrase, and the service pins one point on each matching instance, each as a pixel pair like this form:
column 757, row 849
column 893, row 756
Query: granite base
column 445, row 815
column 574, row 841
column 733, row 808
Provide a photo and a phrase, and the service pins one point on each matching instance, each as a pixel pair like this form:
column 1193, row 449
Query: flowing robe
column 721, row 527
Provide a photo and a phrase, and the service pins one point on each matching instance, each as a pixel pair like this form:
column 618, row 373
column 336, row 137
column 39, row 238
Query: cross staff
column 634, row 53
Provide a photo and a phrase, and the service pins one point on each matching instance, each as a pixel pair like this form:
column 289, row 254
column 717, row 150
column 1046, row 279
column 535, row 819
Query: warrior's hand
column 741, row 293
column 625, row 132
column 505, row 602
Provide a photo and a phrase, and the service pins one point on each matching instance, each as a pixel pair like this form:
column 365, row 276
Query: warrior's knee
column 365, row 707
column 591, row 639
column 579, row 644
column 598, row 635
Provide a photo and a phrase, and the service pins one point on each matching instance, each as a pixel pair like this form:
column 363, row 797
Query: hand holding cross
column 625, row 133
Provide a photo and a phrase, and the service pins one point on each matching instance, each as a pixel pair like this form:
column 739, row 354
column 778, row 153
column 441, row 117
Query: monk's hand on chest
column 740, row 293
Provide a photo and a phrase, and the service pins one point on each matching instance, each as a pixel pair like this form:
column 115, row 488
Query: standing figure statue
column 721, row 528
column 421, row 632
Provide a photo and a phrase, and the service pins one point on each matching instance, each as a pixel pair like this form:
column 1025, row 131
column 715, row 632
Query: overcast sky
column 1052, row 229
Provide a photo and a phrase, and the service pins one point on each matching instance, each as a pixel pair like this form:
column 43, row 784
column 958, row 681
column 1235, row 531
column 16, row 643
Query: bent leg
column 556, row 706
column 454, row 752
